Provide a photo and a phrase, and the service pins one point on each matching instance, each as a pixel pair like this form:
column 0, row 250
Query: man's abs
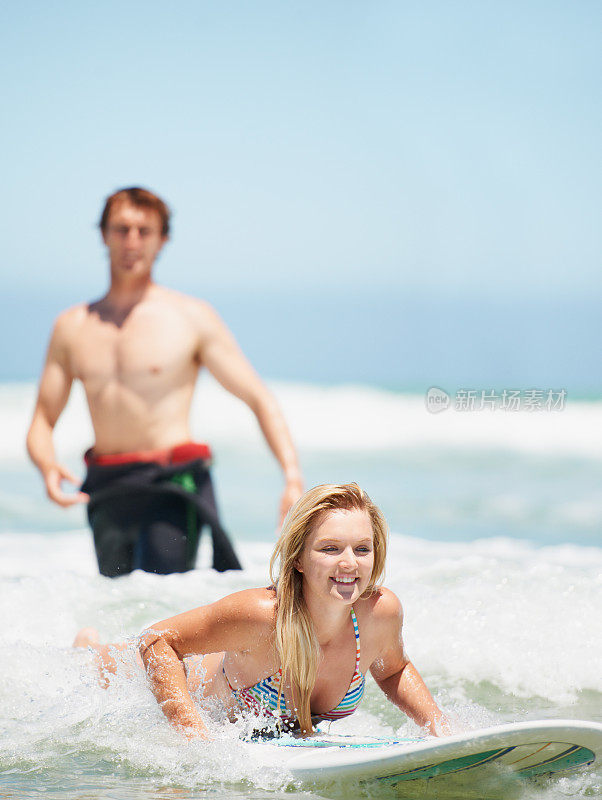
column 139, row 378
column 125, row 421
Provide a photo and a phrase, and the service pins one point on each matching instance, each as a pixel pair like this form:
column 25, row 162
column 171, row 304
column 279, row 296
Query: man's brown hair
column 137, row 197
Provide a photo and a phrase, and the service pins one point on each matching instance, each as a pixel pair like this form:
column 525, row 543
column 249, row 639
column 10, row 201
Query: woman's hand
column 439, row 725
column 409, row 692
column 198, row 731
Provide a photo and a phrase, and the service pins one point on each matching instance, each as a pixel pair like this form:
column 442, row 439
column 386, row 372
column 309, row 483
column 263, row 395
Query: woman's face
column 338, row 556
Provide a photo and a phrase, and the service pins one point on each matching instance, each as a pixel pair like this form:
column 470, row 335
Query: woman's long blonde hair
column 296, row 640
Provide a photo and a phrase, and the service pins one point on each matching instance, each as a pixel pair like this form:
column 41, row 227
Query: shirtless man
column 138, row 352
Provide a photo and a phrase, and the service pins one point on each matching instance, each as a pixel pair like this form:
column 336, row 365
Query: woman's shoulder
column 381, row 607
column 252, row 605
column 380, row 621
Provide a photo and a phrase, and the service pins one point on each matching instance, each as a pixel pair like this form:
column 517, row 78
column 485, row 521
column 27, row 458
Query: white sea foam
column 341, row 418
column 499, row 629
column 521, row 618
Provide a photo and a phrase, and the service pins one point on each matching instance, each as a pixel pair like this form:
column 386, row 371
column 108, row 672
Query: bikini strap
column 356, row 630
column 228, row 679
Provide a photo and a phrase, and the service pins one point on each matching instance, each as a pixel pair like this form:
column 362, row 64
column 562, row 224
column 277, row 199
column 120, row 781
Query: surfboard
column 523, row 749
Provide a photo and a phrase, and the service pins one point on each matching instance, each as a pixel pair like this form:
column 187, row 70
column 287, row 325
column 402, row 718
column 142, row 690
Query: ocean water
column 496, row 554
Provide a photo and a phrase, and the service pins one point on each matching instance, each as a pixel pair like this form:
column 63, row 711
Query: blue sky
column 435, row 148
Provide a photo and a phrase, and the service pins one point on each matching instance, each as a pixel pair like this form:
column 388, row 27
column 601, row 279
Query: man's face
column 133, row 238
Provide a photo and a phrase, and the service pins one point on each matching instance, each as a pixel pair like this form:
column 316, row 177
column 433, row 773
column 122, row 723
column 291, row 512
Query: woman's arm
column 398, row 677
column 167, row 678
column 235, row 623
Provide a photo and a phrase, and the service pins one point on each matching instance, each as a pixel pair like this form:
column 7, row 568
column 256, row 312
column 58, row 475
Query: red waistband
column 189, row 451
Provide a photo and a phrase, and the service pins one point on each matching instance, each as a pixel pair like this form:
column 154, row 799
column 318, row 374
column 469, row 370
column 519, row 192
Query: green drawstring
column 186, row 481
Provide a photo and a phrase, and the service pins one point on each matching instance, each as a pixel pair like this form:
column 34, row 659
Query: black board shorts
column 149, row 516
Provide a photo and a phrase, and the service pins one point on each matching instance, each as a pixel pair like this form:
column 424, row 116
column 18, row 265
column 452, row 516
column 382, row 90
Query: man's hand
column 292, row 492
column 53, row 477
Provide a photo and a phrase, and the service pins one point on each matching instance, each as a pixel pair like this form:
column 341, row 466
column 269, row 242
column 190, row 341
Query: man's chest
column 146, row 346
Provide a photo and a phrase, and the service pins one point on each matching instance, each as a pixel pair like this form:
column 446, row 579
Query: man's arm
column 222, row 356
column 53, row 394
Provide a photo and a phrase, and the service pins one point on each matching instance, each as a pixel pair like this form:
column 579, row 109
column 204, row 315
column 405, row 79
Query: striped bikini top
column 263, row 696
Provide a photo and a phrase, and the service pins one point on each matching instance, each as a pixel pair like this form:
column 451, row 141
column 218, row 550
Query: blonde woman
column 292, row 651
